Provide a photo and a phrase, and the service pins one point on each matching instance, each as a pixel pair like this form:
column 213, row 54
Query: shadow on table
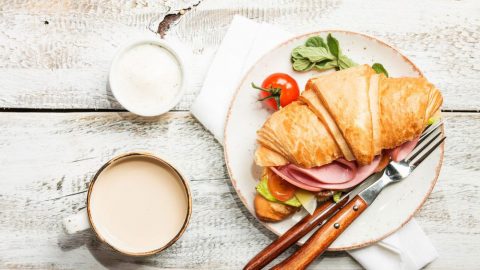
column 104, row 254
column 114, row 104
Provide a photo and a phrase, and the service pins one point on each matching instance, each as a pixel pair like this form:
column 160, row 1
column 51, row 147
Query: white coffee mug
column 137, row 203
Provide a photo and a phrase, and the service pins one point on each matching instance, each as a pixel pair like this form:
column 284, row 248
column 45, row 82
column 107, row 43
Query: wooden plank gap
column 67, row 110
column 461, row 111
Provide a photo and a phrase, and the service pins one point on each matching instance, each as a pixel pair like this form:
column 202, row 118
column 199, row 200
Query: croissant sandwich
column 345, row 126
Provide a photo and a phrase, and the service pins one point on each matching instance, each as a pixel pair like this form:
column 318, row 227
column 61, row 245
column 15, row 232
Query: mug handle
column 77, row 222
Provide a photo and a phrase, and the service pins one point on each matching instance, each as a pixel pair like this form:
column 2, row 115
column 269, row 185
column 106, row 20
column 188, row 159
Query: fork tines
column 429, row 130
column 430, row 139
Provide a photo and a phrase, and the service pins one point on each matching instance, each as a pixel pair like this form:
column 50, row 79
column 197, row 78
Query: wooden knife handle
column 291, row 236
column 322, row 238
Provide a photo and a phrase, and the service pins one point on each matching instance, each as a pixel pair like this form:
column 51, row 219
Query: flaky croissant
column 353, row 113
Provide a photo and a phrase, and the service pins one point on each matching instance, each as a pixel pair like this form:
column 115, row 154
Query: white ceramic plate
column 394, row 207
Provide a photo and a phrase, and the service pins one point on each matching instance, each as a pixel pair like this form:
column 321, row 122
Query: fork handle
column 322, row 238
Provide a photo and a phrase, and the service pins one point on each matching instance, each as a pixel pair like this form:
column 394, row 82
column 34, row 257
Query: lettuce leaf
column 432, row 120
column 262, row 189
column 337, row 196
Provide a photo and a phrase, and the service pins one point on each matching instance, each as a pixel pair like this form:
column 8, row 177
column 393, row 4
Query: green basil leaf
column 379, row 69
column 333, row 45
column 295, row 52
column 325, row 65
column 316, row 42
column 315, row 54
column 310, row 67
column 302, row 64
column 320, row 56
column 345, row 62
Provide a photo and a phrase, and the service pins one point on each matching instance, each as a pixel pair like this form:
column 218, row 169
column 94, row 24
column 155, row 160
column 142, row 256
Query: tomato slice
column 279, row 188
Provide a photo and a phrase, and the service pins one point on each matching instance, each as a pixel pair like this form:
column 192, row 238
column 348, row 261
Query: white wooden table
column 59, row 123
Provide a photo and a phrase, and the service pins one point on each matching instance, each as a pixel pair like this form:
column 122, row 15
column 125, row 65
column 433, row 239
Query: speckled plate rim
column 234, row 182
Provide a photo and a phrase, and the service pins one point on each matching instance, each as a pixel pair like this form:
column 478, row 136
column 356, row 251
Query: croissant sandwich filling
column 344, row 126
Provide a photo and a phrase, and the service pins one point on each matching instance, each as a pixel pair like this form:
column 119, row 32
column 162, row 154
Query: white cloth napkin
column 409, row 248
column 244, row 42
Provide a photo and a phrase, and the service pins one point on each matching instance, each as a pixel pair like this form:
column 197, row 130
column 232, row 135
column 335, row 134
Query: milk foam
column 138, row 204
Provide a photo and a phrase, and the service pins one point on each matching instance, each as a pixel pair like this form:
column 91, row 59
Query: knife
column 358, row 200
column 304, row 226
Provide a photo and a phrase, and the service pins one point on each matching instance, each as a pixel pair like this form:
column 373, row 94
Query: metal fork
column 363, row 196
column 395, row 172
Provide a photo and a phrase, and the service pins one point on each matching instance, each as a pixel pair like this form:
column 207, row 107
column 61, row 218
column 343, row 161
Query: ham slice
column 338, row 175
column 403, row 150
column 305, row 184
column 337, row 172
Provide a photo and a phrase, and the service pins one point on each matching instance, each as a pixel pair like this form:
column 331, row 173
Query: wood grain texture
column 48, row 158
column 47, row 47
column 56, row 54
column 72, row 53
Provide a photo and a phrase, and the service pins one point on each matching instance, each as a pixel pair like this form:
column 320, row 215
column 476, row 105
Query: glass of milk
column 147, row 77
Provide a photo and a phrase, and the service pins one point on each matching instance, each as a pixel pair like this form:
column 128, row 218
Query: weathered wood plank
column 52, row 47
column 71, row 55
column 48, row 158
column 440, row 37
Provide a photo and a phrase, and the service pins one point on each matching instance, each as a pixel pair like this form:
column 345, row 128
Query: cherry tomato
column 278, row 90
column 279, row 188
